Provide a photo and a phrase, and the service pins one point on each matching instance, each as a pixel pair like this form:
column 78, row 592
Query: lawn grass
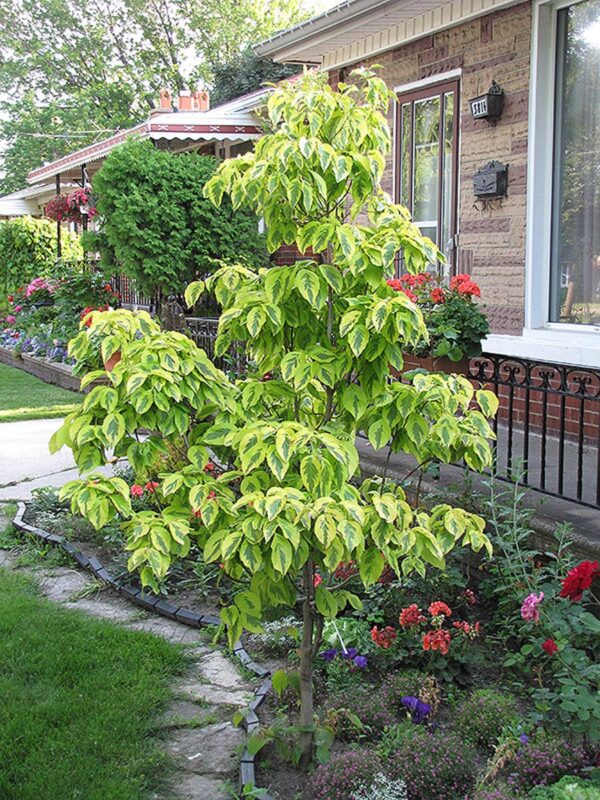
column 80, row 699
column 23, row 396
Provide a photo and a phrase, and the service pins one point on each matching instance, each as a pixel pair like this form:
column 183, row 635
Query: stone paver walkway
column 197, row 726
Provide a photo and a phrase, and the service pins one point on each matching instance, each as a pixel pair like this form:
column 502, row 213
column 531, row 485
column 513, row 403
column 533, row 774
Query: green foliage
column 568, row 788
column 481, row 717
column 159, row 229
column 99, row 66
column 28, row 250
column 282, row 501
column 566, row 691
column 244, row 73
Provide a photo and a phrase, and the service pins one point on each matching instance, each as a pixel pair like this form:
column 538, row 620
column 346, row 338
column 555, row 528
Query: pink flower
column 11, row 319
column 529, row 609
column 17, row 309
column 137, row 490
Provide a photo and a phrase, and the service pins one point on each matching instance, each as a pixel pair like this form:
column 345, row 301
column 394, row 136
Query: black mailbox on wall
column 491, row 181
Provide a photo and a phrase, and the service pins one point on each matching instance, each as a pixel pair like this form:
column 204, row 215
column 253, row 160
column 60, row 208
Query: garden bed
column 389, row 711
column 48, row 371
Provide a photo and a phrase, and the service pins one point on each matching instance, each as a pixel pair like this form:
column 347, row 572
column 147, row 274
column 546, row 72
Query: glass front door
column 427, row 158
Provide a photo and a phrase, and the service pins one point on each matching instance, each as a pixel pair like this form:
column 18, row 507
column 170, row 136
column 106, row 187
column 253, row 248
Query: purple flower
column 523, row 738
column 350, row 652
column 529, row 609
column 329, row 655
column 361, row 662
column 418, row 709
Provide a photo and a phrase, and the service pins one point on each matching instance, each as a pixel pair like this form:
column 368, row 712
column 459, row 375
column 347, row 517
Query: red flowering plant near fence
column 455, row 321
column 72, row 207
column 562, row 648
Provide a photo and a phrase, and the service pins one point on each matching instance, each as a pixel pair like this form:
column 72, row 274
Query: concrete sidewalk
column 26, row 462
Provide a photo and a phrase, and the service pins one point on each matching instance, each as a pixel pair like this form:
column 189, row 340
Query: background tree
column 155, row 224
column 279, row 507
column 244, row 73
column 77, row 69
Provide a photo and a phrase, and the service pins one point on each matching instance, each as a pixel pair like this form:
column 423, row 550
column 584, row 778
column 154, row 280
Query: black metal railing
column 548, row 424
column 203, row 331
column 131, row 296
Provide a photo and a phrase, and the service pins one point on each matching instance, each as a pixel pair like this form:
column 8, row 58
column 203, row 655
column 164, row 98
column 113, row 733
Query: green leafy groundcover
column 80, row 698
column 23, row 396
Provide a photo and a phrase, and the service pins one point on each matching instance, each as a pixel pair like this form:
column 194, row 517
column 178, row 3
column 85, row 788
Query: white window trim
column 431, row 80
column 423, row 83
column 558, row 342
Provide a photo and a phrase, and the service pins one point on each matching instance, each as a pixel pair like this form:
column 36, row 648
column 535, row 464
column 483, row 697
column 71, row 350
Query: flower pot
column 432, row 364
column 111, row 362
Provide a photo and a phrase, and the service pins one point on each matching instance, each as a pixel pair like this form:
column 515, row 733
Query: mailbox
column 488, row 106
column 491, row 181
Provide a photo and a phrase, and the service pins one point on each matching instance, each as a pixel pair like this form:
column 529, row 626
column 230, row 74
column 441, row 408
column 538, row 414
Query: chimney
column 201, row 101
column 165, row 103
column 185, row 100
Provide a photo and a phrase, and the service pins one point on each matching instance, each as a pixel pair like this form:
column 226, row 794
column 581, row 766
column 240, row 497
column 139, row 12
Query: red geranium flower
column 579, row 579
column 411, row 616
column 137, row 490
column 383, row 638
column 345, row 570
column 152, row 486
column 317, row 579
column 437, row 295
column 210, row 467
column 550, row 647
column 438, row 607
column 394, row 283
column 437, row 640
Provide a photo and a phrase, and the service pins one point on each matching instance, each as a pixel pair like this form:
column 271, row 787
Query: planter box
column 48, row 371
column 431, row 364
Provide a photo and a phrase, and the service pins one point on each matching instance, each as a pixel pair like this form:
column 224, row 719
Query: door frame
column 437, row 88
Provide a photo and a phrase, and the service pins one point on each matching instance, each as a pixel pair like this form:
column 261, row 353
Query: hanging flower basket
column 72, row 207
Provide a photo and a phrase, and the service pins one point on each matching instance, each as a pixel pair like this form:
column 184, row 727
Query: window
column 427, row 153
column 575, row 245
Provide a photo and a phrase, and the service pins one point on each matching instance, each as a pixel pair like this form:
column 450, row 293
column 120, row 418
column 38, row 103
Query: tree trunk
column 307, row 713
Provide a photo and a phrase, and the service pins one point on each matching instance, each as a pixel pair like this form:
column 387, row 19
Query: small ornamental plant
column 455, row 322
column 71, row 207
column 284, row 505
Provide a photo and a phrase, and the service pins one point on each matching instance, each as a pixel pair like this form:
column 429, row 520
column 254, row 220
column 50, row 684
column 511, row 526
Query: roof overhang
column 357, row 29
column 221, row 124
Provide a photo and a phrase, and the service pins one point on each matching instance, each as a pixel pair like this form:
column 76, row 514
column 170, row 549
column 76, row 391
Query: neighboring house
column 189, row 125
column 534, row 248
column 26, row 202
column 535, row 252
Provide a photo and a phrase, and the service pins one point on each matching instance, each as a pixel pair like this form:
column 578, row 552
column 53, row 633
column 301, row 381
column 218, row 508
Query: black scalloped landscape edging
column 165, row 609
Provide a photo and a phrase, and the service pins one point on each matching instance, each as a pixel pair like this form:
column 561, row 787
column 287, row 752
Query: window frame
column 543, row 106
column 438, row 85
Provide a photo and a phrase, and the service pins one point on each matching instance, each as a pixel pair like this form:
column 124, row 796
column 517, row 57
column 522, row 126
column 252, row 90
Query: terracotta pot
column 111, row 362
column 431, row 364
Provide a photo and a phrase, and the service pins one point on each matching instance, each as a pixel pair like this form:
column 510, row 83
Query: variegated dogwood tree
column 284, row 502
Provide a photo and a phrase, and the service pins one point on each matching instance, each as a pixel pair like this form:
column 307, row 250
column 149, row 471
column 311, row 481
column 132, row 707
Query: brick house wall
column 492, row 238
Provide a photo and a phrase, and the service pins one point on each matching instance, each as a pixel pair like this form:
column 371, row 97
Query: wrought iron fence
column 130, row 294
column 548, row 423
column 203, row 331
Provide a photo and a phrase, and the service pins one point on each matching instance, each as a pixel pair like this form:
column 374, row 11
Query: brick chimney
column 193, row 101
column 201, row 100
column 185, row 100
column 165, row 103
